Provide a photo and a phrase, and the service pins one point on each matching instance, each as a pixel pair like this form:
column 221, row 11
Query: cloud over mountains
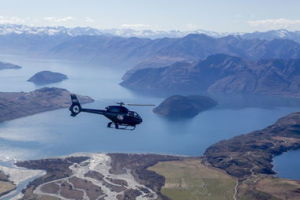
column 280, row 23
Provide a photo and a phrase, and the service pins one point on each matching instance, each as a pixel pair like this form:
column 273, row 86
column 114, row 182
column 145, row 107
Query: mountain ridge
column 143, row 33
column 221, row 74
column 88, row 45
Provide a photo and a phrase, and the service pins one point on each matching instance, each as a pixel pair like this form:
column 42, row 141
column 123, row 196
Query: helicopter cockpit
column 117, row 109
column 133, row 114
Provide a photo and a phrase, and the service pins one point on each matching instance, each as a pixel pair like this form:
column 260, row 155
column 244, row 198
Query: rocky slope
column 246, row 155
column 221, row 74
column 6, row 185
column 47, row 77
column 19, row 104
column 178, row 106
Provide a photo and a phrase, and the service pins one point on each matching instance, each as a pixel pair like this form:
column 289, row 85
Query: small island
column 47, row 77
column 184, row 106
column 4, row 65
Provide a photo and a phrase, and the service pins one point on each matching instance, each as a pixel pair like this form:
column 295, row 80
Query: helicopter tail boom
column 75, row 108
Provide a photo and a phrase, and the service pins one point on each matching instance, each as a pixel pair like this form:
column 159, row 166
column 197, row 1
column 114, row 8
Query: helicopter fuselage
column 118, row 114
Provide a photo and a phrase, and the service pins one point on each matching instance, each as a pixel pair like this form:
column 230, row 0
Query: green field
column 191, row 180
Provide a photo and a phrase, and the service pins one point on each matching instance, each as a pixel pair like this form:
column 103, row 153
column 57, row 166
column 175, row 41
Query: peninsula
column 4, row 65
column 20, row 104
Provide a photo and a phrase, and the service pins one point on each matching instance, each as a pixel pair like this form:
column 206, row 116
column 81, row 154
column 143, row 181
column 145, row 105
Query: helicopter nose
column 140, row 120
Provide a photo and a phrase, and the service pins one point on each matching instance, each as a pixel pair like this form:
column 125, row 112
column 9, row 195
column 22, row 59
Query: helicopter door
column 120, row 117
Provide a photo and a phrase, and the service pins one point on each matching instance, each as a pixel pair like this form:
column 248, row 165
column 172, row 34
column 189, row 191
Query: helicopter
column 119, row 116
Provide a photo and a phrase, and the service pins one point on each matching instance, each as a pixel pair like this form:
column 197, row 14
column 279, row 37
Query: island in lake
column 179, row 106
column 47, row 77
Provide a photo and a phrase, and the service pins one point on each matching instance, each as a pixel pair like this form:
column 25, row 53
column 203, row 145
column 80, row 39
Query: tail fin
column 75, row 108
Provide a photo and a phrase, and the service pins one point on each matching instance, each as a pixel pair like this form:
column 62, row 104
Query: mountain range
column 219, row 74
column 152, row 34
column 95, row 46
column 119, row 51
column 76, row 31
column 254, row 63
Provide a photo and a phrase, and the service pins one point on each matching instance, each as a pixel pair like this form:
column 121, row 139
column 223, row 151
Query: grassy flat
column 191, row 180
column 6, row 187
column 45, row 197
column 280, row 188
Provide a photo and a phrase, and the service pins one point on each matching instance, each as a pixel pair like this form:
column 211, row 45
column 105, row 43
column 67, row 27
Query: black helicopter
column 120, row 116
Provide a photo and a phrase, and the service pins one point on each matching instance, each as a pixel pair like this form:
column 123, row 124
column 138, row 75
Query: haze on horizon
column 216, row 15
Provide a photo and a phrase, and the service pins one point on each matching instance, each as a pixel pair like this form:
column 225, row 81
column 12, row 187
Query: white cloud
column 11, row 20
column 192, row 27
column 136, row 26
column 280, row 23
column 58, row 19
column 89, row 20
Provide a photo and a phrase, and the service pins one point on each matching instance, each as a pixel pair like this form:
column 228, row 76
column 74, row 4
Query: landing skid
column 120, row 127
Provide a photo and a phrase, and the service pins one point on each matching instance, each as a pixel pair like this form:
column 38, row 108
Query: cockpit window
column 117, row 109
column 133, row 114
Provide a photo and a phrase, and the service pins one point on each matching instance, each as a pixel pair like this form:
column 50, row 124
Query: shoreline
column 60, row 100
column 245, row 157
column 41, row 173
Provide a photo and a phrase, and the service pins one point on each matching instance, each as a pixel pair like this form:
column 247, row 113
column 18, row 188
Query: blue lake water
column 287, row 165
column 55, row 133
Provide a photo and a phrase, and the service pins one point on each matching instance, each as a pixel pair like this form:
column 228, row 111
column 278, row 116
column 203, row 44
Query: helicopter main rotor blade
column 140, row 104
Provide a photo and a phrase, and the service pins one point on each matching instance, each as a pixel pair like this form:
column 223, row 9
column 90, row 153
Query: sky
column 185, row 15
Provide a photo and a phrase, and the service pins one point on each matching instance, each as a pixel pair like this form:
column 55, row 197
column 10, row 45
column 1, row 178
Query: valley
column 204, row 157
column 96, row 176
column 231, row 169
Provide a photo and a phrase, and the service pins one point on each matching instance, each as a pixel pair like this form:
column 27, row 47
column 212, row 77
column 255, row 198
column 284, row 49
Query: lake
column 55, row 133
column 287, row 165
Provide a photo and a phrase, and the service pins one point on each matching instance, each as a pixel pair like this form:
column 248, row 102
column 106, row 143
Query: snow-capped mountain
column 6, row 29
column 153, row 34
column 268, row 35
column 274, row 34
